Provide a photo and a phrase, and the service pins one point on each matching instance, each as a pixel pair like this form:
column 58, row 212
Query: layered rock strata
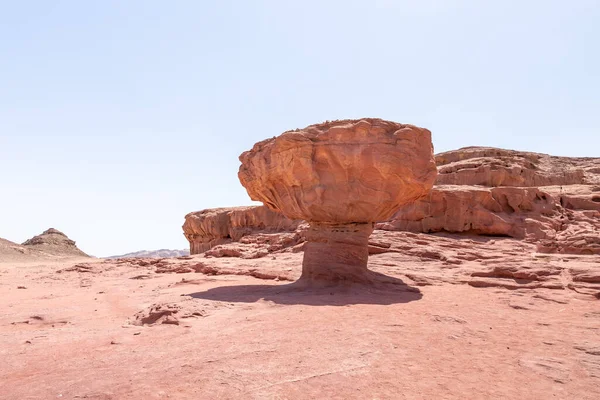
column 563, row 217
column 54, row 242
column 551, row 201
column 208, row 228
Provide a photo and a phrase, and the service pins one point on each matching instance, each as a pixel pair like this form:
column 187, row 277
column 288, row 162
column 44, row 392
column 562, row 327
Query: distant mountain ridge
column 162, row 253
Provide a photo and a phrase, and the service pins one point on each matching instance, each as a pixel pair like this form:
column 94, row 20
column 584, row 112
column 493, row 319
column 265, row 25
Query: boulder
column 340, row 177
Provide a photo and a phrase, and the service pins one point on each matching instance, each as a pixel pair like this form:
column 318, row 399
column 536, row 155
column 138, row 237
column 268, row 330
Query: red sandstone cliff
column 551, row 201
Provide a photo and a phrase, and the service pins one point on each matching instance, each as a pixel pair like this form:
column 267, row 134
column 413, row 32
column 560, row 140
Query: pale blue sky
column 119, row 117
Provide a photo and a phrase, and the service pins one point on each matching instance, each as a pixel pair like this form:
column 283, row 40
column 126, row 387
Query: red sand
column 455, row 332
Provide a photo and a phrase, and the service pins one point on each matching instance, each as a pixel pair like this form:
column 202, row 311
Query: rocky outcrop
column 493, row 167
column 505, row 211
column 485, row 199
column 552, row 201
column 340, row 177
column 54, row 242
column 208, row 228
column 340, row 171
column 50, row 244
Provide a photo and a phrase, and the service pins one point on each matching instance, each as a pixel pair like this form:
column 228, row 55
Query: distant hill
column 52, row 243
column 10, row 251
column 163, row 253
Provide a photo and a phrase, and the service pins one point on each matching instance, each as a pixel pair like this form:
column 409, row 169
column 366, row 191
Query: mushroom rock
column 341, row 177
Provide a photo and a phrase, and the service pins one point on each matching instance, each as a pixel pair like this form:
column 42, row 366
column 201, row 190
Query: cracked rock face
column 340, row 176
column 209, row 228
column 341, row 171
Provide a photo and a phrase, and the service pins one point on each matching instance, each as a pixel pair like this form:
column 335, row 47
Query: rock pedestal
column 336, row 252
column 341, row 177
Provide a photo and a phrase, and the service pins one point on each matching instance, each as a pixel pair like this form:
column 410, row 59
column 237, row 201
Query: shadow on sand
column 385, row 290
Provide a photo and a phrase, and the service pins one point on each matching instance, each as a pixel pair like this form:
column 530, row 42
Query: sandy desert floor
column 462, row 327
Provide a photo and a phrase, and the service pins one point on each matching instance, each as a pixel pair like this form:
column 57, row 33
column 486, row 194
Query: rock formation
column 552, row 201
column 208, row 228
column 54, row 242
column 341, row 177
column 50, row 244
column 476, row 193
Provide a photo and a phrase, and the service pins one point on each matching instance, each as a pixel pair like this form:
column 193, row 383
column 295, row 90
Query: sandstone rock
column 335, row 172
column 54, row 242
column 563, row 219
column 208, row 228
column 498, row 167
column 341, row 177
column 579, row 233
column 551, row 201
column 169, row 314
column 505, row 211
column 257, row 245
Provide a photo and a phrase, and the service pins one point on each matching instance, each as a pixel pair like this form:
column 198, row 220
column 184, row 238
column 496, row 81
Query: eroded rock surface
column 352, row 170
column 559, row 218
column 55, row 242
column 487, row 166
column 208, row 228
column 478, row 210
column 52, row 243
column 552, row 201
column 562, row 218
column 340, row 177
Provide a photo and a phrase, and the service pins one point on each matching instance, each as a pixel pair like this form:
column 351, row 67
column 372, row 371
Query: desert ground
column 486, row 288
column 485, row 321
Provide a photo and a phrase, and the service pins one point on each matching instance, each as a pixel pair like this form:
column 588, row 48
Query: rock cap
column 342, row 171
